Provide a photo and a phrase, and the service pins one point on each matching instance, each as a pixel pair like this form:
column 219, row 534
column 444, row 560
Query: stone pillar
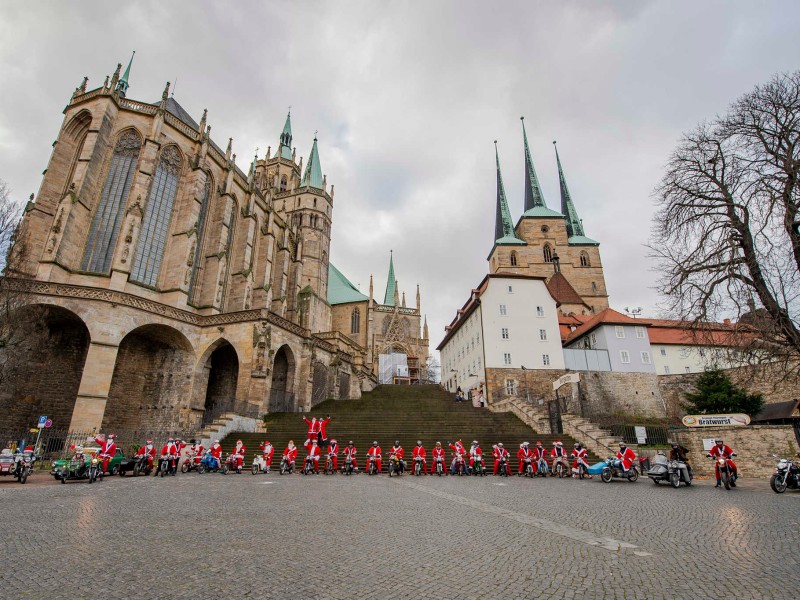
column 90, row 404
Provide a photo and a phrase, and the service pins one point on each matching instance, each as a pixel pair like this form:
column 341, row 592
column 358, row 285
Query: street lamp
column 527, row 391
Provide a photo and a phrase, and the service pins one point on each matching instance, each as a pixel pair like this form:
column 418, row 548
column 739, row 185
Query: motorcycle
column 542, row 468
column 560, row 466
column 787, row 475
column 582, row 470
column 614, row 468
column 286, row 466
column 347, row 469
column 8, row 463
column 460, row 466
column 167, row 465
column 419, row 467
column 439, row 466
column 189, row 463
column 259, row 465
column 231, row 464
column 329, row 470
column 726, row 471
column 24, row 466
column 309, row 466
column 209, row 464
column 478, row 468
column 671, row 471
column 527, row 469
column 95, row 470
column 372, row 464
column 394, row 465
column 502, row 468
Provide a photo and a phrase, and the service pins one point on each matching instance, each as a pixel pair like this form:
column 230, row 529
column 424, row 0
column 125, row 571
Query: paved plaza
column 267, row 536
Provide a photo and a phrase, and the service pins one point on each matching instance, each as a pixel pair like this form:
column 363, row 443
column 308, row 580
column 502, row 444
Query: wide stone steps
column 405, row 413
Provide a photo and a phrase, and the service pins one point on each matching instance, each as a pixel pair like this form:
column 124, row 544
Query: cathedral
column 173, row 286
column 550, row 244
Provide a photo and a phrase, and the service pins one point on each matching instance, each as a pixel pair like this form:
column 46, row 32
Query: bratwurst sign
column 715, row 420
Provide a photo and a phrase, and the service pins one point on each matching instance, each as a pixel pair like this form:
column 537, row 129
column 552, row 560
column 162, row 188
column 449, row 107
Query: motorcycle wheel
column 115, row 470
column 633, row 475
column 416, row 469
column 656, row 481
column 581, row 471
column 224, row 469
column 254, row 469
column 777, row 484
column 560, row 470
column 63, row 479
column 24, row 477
column 201, row 468
column 185, row 467
column 605, row 475
column 675, row 480
column 726, row 481
column 391, row 469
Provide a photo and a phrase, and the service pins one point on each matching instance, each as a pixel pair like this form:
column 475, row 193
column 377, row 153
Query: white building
column 681, row 347
column 509, row 322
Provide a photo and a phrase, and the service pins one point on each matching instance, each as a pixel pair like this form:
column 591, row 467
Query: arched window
column 76, row 131
column 355, row 321
column 108, row 216
column 201, row 226
column 157, row 215
column 594, row 287
column 513, row 259
column 584, row 259
column 548, row 253
column 283, row 183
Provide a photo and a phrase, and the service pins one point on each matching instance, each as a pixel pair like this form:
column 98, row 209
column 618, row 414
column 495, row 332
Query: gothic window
column 283, row 183
column 201, row 222
column 110, row 211
column 594, row 287
column 153, row 236
column 355, row 321
column 548, row 253
column 513, row 259
column 585, row 259
column 76, row 131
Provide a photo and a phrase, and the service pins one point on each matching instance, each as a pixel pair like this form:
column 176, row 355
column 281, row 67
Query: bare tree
column 726, row 233
column 431, row 371
column 10, row 213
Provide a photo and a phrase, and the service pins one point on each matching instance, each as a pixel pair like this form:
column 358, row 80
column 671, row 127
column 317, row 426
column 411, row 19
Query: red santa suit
column 108, row 448
column 437, row 453
column 169, row 449
column 474, row 453
column 458, row 451
column 626, row 457
column 238, row 454
column 197, row 452
column 539, row 452
column 350, row 451
column 313, row 428
column 216, row 452
column 333, row 453
column 323, row 428
column 522, row 454
column 314, row 453
column 419, row 452
column 268, row 450
column 499, row 453
column 150, row 452
column 579, row 456
column 376, row 452
column 557, row 453
column 725, row 451
column 290, row 453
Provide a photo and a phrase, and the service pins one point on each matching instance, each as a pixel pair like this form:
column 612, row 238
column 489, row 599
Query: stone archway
column 223, row 373
column 41, row 365
column 281, row 397
column 151, row 385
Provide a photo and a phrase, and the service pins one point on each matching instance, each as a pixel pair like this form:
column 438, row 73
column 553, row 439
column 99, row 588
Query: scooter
column 542, row 468
column 527, row 469
column 347, row 469
column 460, row 467
column 394, row 465
column 372, row 464
column 309, row 466
column 419, row 467
column 209, row 464
column 329, row 470
column 259, row 465
column 502, row 468
column 439, row 466
column 582, row 470
column 231, row 464
column 478, row 468
column 167, row 465
column 286, row 466
column 614, row 468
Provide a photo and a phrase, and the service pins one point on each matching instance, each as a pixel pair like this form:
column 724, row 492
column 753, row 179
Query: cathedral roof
column 177, row 110
column 574, row 224
column 534, row 198
column 581, row 240
column 313, row 173
column 285, row 147
column 391, row 284
column 539, row 212
column 562, row 291
column 504, row 226
column 340, row 290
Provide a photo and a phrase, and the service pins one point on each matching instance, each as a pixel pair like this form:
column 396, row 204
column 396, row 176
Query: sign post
column 716, row 420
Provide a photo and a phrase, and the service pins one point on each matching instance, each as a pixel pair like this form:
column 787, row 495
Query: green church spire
column 313, row 172
column 533, row 192
column 503, row 225
column 285, row 146
column 123, row 83
column 574, row 225
column 391, row 283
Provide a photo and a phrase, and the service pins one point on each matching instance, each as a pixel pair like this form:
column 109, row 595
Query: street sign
column 641, row 434
column 42, row 420
column 565, row 379
column 48, row 423
column 715, row 420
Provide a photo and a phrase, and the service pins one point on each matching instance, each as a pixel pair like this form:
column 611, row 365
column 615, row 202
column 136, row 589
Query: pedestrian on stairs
column 323, row 434
column 313, row 428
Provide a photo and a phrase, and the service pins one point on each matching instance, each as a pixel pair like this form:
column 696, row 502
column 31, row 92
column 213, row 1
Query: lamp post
column 527, row 391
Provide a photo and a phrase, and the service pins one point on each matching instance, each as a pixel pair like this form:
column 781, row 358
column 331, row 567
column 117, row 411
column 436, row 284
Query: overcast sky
column 408, row 98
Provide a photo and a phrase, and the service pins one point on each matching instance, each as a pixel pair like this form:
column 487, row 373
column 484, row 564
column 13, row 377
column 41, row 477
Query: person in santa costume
column 290, row 453
column 313, row 428
column 720, row 449
column 148, row 450
column 333, row 453
column 169, row 452
column 540, row 452
column 437, row 454
column 498, row 453
column 216, row 452
column 323, row 431
column 419, row 453
column 523, row 454
column 108, row 448
column 314, row 453
column 625, row 457
column 475, row 453
column 559, row 455
column 375, row 452
column 238, row 455
column 267, row 451
column 580, row 455
column 350, row 452
column 196, row 451
column 458, row 454
column 398, row 451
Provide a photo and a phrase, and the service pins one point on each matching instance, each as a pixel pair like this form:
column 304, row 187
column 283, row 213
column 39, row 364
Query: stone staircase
column 226, row 423
column 597, row 440
column 405, row 413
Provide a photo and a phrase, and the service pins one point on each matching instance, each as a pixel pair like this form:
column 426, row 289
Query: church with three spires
column 549, row 243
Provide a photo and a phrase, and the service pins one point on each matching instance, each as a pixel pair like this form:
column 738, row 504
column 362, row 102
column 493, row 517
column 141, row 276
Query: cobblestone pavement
column 266, row 536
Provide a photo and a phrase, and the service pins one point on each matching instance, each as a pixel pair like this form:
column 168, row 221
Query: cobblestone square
column 267, row 536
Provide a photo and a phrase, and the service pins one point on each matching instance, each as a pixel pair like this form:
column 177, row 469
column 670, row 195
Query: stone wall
column 754, row 445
